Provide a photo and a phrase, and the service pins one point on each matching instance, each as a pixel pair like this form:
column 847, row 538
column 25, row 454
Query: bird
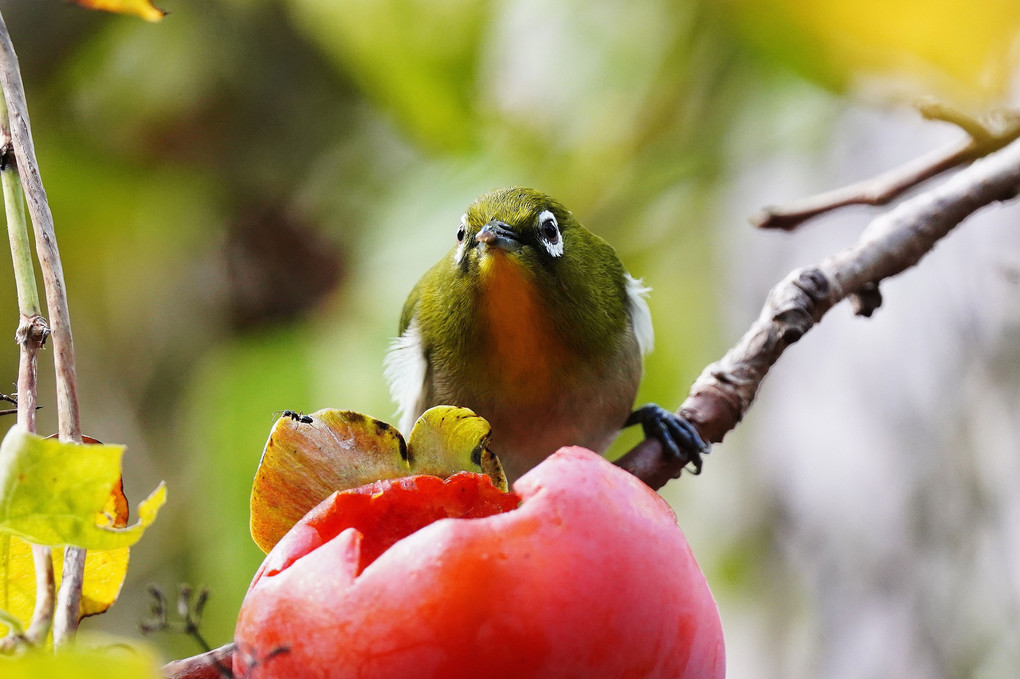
column 531, row 321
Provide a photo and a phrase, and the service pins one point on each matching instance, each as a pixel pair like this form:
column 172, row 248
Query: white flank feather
column 404, row 368
column 640, row 315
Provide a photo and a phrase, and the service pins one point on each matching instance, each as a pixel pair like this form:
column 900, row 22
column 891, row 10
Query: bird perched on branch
column 532, row 322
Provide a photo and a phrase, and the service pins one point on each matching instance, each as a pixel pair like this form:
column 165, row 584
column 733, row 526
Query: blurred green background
column 245, row 192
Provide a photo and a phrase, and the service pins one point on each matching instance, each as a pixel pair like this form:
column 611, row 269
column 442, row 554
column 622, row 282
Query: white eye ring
column 461, row 243
column 549, row 233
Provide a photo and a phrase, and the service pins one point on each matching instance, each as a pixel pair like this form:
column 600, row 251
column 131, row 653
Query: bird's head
column 522, row 225
column 528, row 274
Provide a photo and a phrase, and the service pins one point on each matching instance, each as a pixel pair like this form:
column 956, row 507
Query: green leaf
column 104, row 576
column 12, row 622
column 114, row 661
column 450, row 439
column 53, row 492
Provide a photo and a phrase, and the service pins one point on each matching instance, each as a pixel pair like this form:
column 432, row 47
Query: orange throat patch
column 523, row 355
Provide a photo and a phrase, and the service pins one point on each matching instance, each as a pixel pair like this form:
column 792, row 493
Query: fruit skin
column 589, row 577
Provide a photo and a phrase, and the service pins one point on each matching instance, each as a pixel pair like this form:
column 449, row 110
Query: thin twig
column 42, row 556
column 30, row 336
column 210, row 663
column 882, row 189
column 189, row 608
column 892, row 243
column 69, row 423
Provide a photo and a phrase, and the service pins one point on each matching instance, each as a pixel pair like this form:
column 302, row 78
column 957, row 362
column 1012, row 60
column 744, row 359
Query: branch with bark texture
column 981, row 140
column 69, row 424
column 208, row 665
column 892, row 243
column 31, row 336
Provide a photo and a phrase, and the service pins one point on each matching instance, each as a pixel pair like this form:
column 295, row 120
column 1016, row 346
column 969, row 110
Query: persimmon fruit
column 580, row 571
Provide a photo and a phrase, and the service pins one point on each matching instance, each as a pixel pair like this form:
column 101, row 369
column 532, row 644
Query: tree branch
column 880, row 190
column 31, row 336
column 209, row 665
column 892, row 243
column 69, row 597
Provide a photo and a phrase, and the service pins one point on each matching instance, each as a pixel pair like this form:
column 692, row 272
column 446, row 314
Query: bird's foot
column 677, row 435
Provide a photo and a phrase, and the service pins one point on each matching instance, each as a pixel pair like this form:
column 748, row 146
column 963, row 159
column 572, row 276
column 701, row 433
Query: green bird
column 532, row 322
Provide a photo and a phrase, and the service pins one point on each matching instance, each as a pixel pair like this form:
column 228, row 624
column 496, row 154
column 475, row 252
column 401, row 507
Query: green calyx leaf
column 448, row 439
column 54, row 492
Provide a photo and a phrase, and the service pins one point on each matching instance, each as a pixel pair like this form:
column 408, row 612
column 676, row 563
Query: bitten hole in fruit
column 387, row 511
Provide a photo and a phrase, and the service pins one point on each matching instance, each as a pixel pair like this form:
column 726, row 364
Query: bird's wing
column 405, row 366
column 640, row 315
column 407, row 313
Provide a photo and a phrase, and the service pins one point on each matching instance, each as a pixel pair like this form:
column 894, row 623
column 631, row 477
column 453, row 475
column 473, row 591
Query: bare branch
column 892, row 243
column 31, row 336
column 880, row 190
column 69, row 597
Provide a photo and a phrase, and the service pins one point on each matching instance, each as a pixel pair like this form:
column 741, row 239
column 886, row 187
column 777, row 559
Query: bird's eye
column 463, row 228
column 549, row 233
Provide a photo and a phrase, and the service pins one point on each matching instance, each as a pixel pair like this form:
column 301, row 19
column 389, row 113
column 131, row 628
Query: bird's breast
column 522, row 353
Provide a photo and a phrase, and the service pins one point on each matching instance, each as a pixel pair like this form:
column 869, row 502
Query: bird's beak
column 499, row 235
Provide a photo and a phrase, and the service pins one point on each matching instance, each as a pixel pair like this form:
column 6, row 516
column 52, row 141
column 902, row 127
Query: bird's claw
column 677, row 435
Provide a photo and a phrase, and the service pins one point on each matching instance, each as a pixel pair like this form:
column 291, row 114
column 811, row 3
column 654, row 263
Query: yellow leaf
column 17, row 579
column 104, row 571
column 56, row 493
column 115, row 511
column 961, row 50
column 104, row 577
column 303, row 463
column 140, row 8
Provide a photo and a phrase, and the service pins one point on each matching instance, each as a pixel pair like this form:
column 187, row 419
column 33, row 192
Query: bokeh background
column 246, row 191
